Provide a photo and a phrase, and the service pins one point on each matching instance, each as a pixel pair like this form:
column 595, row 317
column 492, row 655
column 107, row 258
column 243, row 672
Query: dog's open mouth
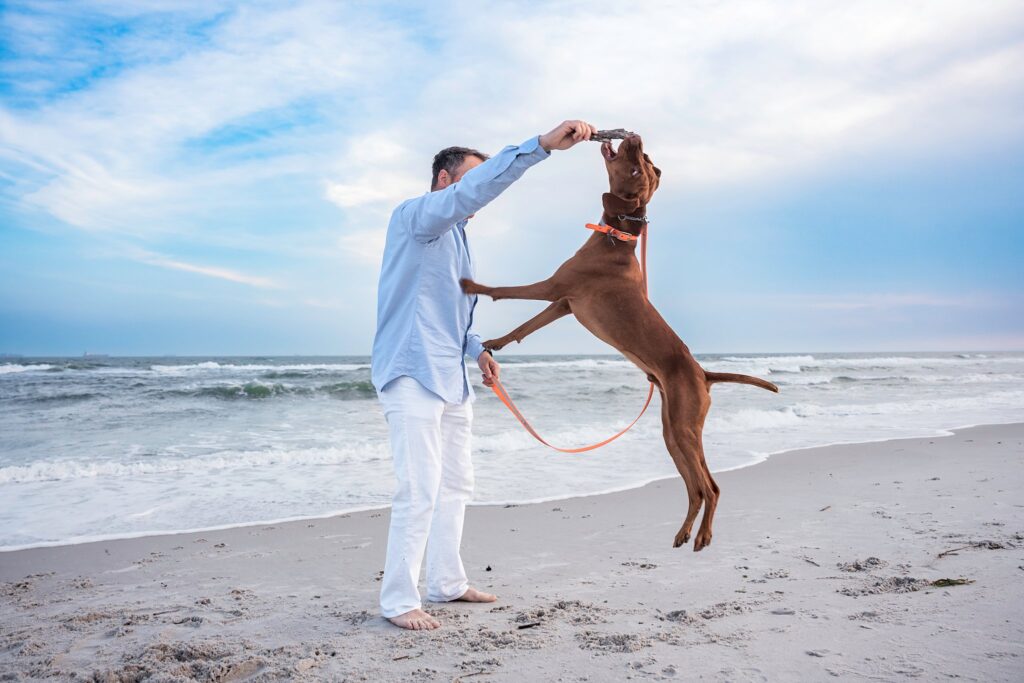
column 607, row 152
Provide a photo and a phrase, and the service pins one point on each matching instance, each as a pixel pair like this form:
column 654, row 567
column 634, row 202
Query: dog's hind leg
column 545, row 290
column 550, row 314
column 711, row 500
column 686, row 471
column 711, row 504
column 685, row 421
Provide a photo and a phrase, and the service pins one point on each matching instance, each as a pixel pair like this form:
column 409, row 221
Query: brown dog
column 603, row 287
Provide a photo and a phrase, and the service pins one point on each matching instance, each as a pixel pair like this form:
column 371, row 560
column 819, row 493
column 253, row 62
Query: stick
column 418, row 654
column 990, row 545
column 609, row 135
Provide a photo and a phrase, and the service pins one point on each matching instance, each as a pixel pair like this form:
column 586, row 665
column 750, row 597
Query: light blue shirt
column 424, row 320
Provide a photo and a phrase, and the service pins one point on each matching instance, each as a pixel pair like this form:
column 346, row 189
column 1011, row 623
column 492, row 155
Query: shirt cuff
column 533, row 149
column 474, row 348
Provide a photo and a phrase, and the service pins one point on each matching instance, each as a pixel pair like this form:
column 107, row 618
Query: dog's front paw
column 470, row 287
column 494, row 345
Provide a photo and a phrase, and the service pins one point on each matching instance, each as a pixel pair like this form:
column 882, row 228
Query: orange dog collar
column 609, row 230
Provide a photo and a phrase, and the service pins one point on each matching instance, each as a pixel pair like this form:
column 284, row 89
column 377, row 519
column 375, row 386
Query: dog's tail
column 713, row 377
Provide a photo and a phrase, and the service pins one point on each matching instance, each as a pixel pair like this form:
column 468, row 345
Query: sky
column 215, row 178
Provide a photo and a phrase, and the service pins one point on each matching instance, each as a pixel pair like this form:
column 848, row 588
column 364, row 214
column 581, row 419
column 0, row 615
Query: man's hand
column 566, row 135
column 489, row 367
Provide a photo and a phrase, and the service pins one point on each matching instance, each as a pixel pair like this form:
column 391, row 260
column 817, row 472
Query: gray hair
column 450, row 158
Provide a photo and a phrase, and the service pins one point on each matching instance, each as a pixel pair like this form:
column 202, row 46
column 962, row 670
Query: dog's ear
column 615, row 205
column 657, row 171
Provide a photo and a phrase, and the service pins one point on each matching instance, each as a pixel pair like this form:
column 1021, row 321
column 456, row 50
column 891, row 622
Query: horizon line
column 8, row 355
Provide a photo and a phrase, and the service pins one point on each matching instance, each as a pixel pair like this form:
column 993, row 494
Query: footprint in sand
column 573, row 611
column 612, row 642
column 865, row 566
column 892, row 584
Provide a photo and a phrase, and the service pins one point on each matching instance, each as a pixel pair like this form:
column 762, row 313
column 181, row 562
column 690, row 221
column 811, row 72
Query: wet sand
column 826, row 562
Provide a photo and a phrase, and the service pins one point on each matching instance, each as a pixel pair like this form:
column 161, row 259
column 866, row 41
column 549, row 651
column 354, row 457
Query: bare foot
column 473, row 595
column 415, row 620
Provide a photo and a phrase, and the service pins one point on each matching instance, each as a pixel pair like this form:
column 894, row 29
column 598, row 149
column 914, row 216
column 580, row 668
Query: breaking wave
column 60, row 470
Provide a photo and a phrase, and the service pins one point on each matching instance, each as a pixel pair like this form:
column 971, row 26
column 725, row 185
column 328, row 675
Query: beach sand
column 822, row 565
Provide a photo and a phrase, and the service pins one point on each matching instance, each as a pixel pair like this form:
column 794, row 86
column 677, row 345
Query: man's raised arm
column 436, row 212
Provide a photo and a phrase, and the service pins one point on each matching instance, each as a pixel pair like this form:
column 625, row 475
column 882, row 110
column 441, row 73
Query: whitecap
column 11, row 368
column 68, row 469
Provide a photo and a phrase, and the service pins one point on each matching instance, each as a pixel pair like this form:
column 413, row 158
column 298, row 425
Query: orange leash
column 500, row 392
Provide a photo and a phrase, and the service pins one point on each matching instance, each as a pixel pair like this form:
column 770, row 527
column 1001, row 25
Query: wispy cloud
column 375, row 188
column 228, row 274
column 366, row 246
column 854, row 302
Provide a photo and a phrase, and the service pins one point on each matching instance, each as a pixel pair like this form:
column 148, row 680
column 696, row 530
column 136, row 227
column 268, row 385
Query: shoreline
column 765, row 457
column 894, row 560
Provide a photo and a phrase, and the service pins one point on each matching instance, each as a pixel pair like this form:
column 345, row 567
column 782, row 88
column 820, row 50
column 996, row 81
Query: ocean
column 103, row 447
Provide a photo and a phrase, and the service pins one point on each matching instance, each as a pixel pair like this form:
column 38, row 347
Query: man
column 424, row 332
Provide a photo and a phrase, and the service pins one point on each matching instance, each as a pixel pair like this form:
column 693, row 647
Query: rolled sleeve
column 533, row 148
column 474, row 346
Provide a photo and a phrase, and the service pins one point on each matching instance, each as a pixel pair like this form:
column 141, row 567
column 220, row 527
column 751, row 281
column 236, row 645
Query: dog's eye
column 636, row 172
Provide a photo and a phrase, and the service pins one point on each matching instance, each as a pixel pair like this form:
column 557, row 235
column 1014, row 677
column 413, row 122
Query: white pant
column 430, row 445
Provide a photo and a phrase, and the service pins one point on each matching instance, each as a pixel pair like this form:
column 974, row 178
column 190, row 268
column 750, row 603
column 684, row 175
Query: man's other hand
column 489, row 367
column 567, row 134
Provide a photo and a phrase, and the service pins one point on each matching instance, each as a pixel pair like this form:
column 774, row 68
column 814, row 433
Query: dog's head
column 632, row 176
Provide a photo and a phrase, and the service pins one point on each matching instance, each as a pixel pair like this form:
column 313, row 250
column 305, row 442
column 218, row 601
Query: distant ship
column 95, row 355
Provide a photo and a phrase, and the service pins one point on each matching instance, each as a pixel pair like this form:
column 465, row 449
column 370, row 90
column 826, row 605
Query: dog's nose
column 634, row 147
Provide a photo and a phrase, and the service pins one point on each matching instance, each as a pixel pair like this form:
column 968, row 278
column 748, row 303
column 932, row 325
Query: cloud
column 886, row 301
column 366, row 246
column 724, row 92
column 107, row 156
column 374, row 187
column 228, row 274
column 294, row 129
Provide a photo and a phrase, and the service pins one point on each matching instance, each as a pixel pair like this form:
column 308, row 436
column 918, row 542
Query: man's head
column 451, row 163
